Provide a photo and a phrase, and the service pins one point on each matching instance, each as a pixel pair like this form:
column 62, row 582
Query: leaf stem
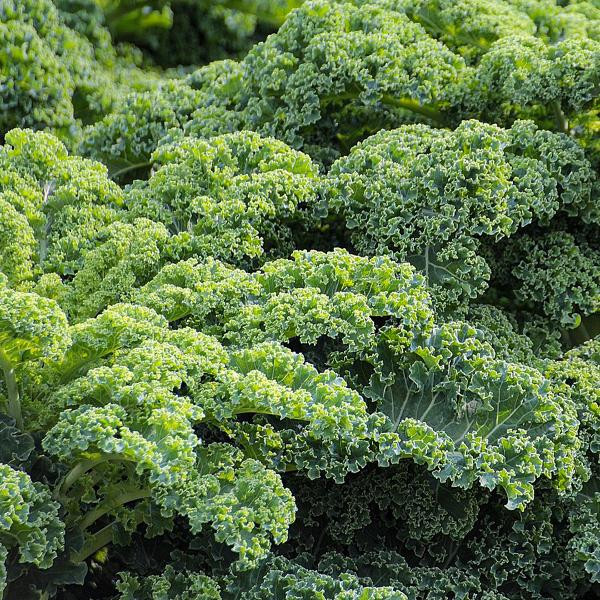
column 120, row 500
column 101, row 538
column 391, row 101
column 98, row 540
column 562, row 124
column 275, row 19
column 414, row 106
column 128, row 168
column 12, row 389
column 82, row 467
column 122, row 9
column 75, row 473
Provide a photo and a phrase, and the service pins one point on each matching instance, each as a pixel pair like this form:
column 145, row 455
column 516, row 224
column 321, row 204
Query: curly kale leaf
column 32, row 328
column 522, row 72
column 126, row 256
column 171, row 585
column 29, row 521
column 280, row 578
column 429, row 195
column 578, row 375
column 53, row 206
column 584, row 524
column 125, row 138
column 308, row 297
column 40, row 85
column 471, row 417
column 555, row 272
column 235, row 197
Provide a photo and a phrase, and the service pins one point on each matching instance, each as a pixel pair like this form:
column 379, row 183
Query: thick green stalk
column 12, row 390
column 414, row 106
column 83, row 467
column 128, row 168
column 404, row 103
column 94, row 543
column 76, row 472
column 124, row 8
column 562, row 123
column 101, row 538
column 112, row 503
column 275, row 19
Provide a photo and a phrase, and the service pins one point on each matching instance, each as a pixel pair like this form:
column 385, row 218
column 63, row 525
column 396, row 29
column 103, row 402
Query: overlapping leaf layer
column 299, row 300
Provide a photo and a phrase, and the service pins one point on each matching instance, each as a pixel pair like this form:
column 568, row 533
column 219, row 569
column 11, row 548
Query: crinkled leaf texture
column 29, row 519
column 469, row 416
